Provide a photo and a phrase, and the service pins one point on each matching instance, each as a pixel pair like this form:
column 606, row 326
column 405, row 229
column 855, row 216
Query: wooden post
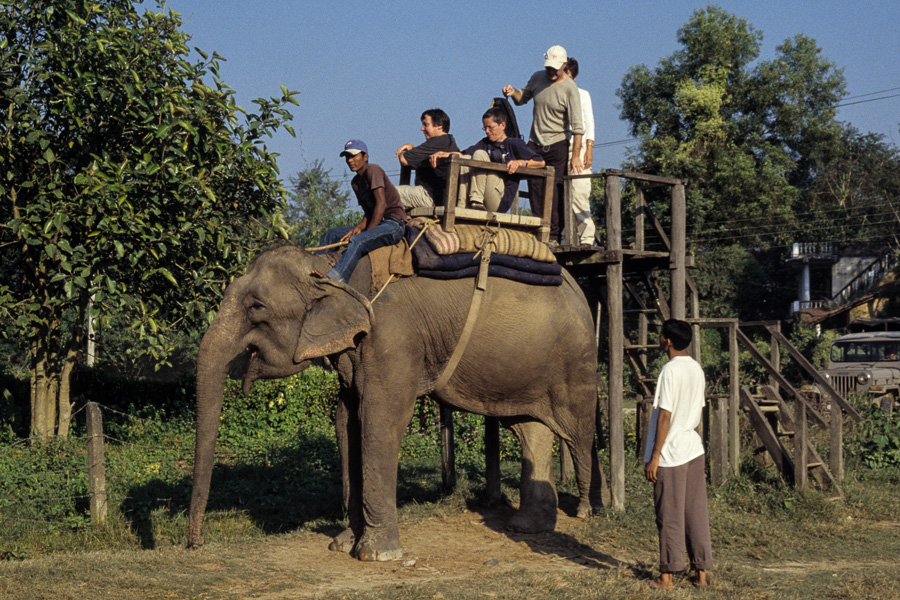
column 639, row 218
column 774, row 353
column 549, row 183
column 492, row 459
column 96, row 463
column 614, row 290
column 566, row 466
column 448, row 449
column 642, row 416
column 734, row 434
column 801, row 470
column 718, row 439
column 836, row 455
column 677, row 262
column 451, row 192
column 568, row 230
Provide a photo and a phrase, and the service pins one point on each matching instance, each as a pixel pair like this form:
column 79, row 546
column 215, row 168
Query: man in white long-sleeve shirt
column 579, row 190
column 674, row 460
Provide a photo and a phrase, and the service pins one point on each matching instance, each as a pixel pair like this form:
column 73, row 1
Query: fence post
column 96, row 463
column 734, row 432
column 492, row 459
column 448, row 449
column 615, row 316
column 836, row 454
column 801, row 471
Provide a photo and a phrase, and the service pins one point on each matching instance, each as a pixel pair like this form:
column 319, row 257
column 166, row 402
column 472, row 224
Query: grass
column 280, row 484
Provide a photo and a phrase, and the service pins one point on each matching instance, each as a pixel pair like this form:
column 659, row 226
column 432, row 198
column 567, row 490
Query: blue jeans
column 387, row 233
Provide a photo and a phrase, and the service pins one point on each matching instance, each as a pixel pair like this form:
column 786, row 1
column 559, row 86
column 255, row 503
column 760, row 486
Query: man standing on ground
column 430, row 181
column 557, row 108
column 674, row 460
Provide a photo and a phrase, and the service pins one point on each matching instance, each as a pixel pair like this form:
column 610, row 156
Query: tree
column 747, row 138
column 127, row 183
column 855, row 196
column 316, row 203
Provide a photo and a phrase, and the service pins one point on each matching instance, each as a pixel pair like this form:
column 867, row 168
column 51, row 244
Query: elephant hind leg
column 593, row 490
column 537, row 506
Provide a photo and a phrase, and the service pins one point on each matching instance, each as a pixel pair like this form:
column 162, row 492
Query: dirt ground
column 442, row 548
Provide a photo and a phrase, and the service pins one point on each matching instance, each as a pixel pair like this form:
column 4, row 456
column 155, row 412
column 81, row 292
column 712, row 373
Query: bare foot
column 663, row 582
column 700, row 580
column 316, row 274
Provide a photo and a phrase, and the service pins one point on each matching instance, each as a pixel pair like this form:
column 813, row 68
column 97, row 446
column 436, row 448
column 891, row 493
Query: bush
column 876, row 439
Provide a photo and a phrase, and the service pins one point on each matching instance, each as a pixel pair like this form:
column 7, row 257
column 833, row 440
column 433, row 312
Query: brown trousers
column 682, row 517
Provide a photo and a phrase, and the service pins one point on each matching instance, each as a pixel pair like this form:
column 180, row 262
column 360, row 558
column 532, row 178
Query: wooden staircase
column 776, row 426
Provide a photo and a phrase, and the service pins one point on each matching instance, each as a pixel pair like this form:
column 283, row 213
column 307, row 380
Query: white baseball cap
column 555, row 57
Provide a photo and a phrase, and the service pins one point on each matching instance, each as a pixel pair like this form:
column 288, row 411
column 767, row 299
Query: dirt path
column 442, row 548
column 462, row 546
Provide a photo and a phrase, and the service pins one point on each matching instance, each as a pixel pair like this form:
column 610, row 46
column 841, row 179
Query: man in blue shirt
column 489, row 190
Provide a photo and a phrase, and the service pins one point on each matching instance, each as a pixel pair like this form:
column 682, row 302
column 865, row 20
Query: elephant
column 530, row 361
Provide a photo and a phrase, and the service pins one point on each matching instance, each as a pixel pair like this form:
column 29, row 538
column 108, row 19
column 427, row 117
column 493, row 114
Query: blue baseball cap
column 354, row 147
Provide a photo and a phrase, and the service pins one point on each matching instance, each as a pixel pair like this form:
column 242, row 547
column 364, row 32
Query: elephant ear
column 333, row 322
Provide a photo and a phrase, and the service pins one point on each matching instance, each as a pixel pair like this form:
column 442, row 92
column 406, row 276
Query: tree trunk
column 65, row 390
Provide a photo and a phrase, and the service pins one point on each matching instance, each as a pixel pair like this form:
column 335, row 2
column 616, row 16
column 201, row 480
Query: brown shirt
column 373, row 178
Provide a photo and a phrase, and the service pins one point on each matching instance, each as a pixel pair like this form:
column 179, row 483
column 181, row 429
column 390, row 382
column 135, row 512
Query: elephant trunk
column 216, row 350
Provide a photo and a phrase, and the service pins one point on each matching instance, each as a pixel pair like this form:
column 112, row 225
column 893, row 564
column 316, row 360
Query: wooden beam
column 734, row 431
column 816, row 376
column 836, row 446
column 801, row 470
column 616, row 330
column 798, row 396
column 677, row 264
column 767, row 435
column 643, row 177
column 448, row 449
column 492, row 459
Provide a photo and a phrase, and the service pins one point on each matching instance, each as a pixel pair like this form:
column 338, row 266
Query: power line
column 872, row 93
column 864, row 101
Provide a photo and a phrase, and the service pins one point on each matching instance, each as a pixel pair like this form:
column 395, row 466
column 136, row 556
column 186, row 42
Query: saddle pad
column 471, row 238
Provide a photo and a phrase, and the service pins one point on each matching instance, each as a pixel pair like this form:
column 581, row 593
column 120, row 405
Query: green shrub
column 303, row 403
column 875, row 441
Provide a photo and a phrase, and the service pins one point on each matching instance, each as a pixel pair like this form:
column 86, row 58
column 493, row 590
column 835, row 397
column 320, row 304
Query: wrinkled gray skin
column 530, row 361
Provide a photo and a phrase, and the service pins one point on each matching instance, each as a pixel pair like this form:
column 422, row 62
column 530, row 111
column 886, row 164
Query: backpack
column 512, row 127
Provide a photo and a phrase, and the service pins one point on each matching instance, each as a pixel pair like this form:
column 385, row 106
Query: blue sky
column 367, row 70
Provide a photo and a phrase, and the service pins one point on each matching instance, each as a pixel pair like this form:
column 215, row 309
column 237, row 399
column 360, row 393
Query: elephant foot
column 379, row 548
column 533, row 521
column 343, row 542
column 584, row 510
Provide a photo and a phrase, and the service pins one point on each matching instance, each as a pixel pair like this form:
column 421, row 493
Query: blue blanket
column 429, row 263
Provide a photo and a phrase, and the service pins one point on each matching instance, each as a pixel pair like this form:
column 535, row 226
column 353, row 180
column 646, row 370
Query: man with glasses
column 489, row 190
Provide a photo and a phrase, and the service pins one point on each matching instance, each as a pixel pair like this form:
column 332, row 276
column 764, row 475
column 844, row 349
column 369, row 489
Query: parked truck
column 869, row 363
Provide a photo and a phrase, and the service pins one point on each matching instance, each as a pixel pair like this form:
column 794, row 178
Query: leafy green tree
column 856, row 195
column 744, row 134
column 316, row 203
column 130, row 181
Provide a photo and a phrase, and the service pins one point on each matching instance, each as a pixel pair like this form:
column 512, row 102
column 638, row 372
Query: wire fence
column 65, row 462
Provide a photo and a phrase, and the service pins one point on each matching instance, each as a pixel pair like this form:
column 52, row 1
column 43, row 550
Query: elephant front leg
column 347, row 431
column 383, row 426
column 537, row 492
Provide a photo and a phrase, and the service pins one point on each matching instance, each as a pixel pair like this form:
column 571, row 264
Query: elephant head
column 272, row 322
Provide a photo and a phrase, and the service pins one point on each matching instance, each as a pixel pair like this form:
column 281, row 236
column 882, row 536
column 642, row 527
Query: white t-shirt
column 679, row 390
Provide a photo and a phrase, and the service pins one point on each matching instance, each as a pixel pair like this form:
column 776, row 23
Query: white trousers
column 579, row 191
